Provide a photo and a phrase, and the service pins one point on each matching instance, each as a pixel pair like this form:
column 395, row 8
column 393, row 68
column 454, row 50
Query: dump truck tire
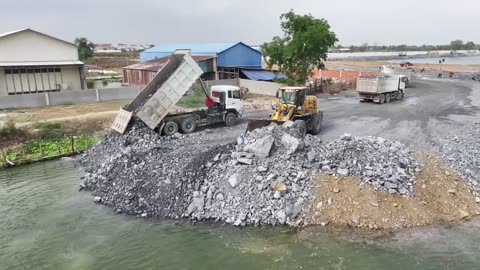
column 230, row 119
column 188, row 125
column 170, row 128
column 388, row 97
column 381, row 99
column 316, row 124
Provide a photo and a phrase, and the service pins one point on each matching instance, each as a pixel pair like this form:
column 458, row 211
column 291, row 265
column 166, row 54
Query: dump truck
column 380, row 89
column 404, row 73
column 293, row 105
column 170, row 83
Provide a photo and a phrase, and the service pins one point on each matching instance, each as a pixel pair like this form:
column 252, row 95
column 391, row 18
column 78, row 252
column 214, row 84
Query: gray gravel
column 262, row 178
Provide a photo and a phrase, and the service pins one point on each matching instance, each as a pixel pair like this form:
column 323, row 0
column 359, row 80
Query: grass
column 195, row 100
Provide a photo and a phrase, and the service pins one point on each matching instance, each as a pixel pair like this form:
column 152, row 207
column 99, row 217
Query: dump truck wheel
column 316, row 124
column 230, row 119
column 188, row 125
column 170, row 128
column 387, row 98
column 381, row 99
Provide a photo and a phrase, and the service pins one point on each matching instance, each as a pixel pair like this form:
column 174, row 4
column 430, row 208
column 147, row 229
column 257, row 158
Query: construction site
column 332, row 161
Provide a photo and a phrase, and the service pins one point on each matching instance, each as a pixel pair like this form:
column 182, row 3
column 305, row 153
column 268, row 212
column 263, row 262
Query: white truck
column 172, row 81
column 404, row 73
column 380, row 89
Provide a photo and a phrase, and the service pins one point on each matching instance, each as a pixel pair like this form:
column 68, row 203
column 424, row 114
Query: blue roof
column 263, row 75
column 197, row 48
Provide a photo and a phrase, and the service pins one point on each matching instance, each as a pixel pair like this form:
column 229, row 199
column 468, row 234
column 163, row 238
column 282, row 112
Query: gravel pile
column 265, row 177
column 386, row 165
column 459, row 148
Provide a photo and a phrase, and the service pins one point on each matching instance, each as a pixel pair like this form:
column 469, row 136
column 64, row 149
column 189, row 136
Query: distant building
column 231, row 58
column 143, row 73
column 33, row 62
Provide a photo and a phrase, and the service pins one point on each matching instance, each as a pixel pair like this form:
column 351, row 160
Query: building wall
column 28, row 46
column 240, row 55
column 261, row 88
column 39, row 79
column 71, row 76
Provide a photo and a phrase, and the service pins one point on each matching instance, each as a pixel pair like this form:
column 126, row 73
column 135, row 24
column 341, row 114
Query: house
column 143, row 73
column 231, row 58
column 33, row 62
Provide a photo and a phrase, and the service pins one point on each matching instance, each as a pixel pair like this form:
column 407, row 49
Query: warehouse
column 231, row 58
column 33, row 62
column 143, row 73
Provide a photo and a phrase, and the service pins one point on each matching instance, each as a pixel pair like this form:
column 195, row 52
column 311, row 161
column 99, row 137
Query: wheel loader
column 293, row 105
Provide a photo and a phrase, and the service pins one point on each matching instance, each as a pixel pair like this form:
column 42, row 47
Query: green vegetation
column 9, row 131
column 85, row 48
column 195, row 100
column 43, row 148
column 454, row 46
column 303, row 47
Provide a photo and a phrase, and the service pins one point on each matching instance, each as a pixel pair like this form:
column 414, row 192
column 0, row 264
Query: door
column 234, row 100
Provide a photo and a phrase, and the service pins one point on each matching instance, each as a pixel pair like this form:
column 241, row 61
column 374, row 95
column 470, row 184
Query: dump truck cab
column 227, row 98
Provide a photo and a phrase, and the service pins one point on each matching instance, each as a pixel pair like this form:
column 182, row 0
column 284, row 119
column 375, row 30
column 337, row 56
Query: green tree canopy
column 303, row 47
column 85, row 48
column 456, row 45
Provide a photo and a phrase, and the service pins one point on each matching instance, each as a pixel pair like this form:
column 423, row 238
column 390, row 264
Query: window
column 236, row 94
column 229, row 93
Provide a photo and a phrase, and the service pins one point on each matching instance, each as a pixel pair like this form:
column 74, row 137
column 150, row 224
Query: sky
column 381, row 22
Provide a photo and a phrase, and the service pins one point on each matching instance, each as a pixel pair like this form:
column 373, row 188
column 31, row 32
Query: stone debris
column 459, row 148
column 265, row 177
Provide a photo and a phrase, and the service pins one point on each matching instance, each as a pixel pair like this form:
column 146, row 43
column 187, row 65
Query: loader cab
column 229, row 97
column 292, row 95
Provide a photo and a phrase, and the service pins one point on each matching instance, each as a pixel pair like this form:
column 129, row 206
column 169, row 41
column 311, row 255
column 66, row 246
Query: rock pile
column 265, row 177
column 459, row 148
column 386, row 165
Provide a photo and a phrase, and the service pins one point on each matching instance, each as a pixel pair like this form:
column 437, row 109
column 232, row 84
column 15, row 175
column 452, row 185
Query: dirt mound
column 441, row 196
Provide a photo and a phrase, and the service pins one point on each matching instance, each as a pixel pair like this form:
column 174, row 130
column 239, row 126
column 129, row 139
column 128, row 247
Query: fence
column 68, row 97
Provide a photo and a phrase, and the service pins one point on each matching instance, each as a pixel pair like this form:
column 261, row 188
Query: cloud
column 254, row 22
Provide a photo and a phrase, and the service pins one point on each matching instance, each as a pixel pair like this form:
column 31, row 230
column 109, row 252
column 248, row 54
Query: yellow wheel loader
column 293, row 105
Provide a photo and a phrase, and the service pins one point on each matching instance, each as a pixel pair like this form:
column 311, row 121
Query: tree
column 303, row 47
column 470, row 46
column 456, row 45
column 85, row 48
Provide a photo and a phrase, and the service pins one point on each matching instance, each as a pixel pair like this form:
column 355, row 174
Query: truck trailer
column 380, row 89
column 170, row 83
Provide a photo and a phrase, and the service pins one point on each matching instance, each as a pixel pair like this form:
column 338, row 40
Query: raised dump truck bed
column 170, row 83
column 380, row 89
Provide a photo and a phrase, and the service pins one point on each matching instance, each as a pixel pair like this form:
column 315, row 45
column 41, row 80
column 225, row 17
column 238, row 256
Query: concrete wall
column 29, row 46
column 261, row 88
column 342, row 75
column 67, row 97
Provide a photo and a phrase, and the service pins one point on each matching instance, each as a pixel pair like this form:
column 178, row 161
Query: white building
column 33, row 62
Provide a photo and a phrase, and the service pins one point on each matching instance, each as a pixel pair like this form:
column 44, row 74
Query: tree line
column 454, row 45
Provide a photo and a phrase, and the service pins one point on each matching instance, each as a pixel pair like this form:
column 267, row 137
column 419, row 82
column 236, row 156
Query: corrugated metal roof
column 43, row 63
column 28, row 29
column 197, row 48
column 156, row 64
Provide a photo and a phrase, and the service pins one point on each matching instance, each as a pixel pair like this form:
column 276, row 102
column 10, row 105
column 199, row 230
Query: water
column 463, row 60
column 45, row 223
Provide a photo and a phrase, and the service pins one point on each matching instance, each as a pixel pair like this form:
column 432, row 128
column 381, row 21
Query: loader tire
column 170, row 128
column 302, row 127
column 230, row 119
column 188, row 125
column 316, row 124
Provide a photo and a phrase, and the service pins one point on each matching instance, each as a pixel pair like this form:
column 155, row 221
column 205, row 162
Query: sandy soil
column 440, row 196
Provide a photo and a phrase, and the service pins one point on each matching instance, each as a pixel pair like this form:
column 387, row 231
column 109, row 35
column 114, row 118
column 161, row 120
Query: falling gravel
column 264, row 177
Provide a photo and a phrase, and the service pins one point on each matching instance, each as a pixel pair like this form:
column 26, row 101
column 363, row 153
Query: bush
column 50, row 130
column 10, row 131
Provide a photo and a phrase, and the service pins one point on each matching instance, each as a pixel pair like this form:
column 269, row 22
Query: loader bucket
column 259, row 123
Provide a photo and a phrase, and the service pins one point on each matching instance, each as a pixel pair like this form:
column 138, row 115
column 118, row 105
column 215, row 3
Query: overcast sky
column 252, row 21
